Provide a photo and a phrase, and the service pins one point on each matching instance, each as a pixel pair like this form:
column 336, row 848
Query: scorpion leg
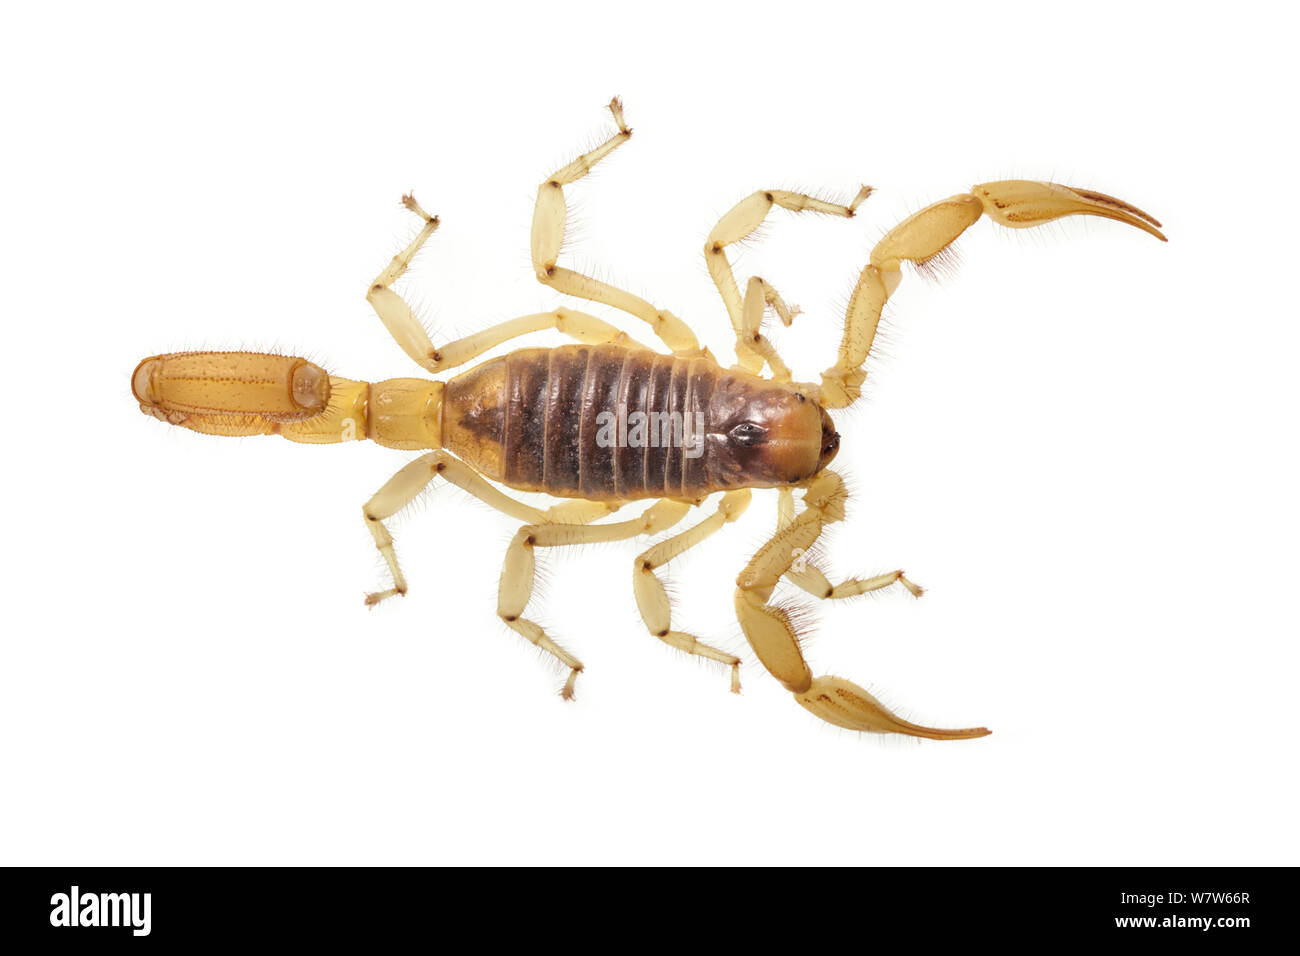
column 652, row 599
column 772, row 635
column 414, row 340
column 517, row 574
column 549, row 217
column 577, row 325
column 807, row 576
column 739, row 222
column 758, row 296
column 391, row 308
column 924, row 237
column 405, row 486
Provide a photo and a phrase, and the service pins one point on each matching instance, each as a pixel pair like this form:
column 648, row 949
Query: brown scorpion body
column 608, row 421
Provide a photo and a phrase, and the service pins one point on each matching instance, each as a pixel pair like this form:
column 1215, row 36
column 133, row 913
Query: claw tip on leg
column 616, row 107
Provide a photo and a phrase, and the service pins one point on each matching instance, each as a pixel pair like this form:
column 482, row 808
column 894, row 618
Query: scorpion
column 608, row 421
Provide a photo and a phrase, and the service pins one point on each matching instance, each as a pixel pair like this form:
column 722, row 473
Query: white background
column 1082, row 442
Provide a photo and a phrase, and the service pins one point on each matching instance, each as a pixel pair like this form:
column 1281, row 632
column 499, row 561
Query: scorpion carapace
column 609, row 421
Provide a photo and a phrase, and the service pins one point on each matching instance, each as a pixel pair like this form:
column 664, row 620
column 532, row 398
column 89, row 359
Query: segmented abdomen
column 605, row 422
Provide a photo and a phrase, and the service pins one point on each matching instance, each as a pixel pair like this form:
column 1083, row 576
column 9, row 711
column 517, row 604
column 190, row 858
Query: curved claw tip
column 1019, row 203
column 845, row 704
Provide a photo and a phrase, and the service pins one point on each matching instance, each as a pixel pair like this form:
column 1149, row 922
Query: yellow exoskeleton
column 609, row 421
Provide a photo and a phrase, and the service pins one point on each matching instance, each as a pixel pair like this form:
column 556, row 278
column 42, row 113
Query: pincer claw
column 845, row 704
column 1020, row 203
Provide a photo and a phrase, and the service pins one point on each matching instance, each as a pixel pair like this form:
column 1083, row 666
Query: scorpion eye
column 747, row 434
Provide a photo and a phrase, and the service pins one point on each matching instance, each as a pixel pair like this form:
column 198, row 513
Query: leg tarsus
column 374, row 597
column 408, row 200
column 566, row 692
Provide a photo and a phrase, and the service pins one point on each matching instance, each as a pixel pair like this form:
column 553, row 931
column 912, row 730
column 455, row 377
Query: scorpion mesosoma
column 609, row 421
